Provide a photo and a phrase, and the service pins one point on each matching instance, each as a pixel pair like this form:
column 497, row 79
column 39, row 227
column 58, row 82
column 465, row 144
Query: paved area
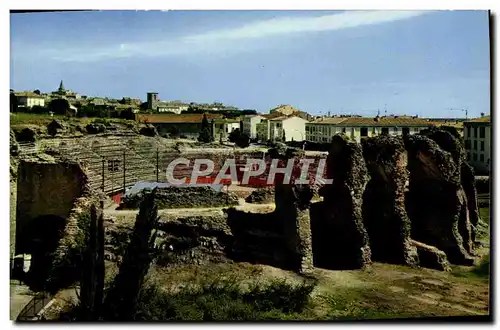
column 20, row 295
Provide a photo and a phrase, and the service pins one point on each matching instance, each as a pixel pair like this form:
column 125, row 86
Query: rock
column 95, row 128
column 149, row 130
column 27, row 134
column 14, row 146
column 261, row 196
column 384, row 212
column 431, row 257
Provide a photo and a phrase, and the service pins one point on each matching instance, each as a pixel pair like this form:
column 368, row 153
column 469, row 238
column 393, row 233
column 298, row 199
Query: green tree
column 58, row 106
column 206, row 131
column 242, row 140
column 13, row 102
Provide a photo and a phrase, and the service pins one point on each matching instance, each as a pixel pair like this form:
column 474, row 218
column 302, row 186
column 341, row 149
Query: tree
column 13, row 102
column 242, row 140
column 206, row 132
column 37, row 91
column 58, row 106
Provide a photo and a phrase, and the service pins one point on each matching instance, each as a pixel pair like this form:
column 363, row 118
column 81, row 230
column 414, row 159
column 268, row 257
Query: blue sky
column 319, row 61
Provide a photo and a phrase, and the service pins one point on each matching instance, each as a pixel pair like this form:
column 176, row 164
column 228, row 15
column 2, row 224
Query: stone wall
column 45, row 189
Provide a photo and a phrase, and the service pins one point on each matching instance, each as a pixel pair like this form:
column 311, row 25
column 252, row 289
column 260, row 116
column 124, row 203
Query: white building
column 28, row 99
column 477, row 137
column 172, row 108
column 323, row 129
column 250, row 125
column 282, row 128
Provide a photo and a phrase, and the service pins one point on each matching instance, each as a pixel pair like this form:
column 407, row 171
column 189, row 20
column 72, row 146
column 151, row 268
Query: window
column 364, row 131
column 307, row 128
column 475, row 144
column 468, row 131
column 406, row 130
column 481, row 157
column 474, row 157
column 475, row 132
column 468, row 156
column 482, row 132
column 467, row 144
column 343, row 130
column 482, row 145
column 395, row 130
column 385, row 130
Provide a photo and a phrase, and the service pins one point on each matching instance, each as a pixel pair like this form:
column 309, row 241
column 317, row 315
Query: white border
column 198, row 4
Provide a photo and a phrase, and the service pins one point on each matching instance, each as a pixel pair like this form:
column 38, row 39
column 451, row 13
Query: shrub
column 224, row 300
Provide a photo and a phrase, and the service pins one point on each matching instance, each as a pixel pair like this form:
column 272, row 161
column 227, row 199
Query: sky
column 426, row 63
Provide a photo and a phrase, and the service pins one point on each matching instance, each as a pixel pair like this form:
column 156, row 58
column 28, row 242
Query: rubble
column 261, row 196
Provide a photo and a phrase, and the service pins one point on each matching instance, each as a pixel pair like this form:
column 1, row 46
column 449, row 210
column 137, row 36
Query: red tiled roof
column 171, row 118
column 369, row 121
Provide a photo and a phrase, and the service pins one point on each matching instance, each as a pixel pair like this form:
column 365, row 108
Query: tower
column 61, row 87
column 152, row 100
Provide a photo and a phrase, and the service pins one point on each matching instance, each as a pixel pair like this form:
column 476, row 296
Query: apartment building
column 250, row 125
column 323, row 129
column 477, row 137
column 283, row 128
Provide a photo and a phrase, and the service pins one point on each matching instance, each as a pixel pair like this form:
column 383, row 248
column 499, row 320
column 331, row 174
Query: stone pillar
column 384, row 212
column 292, row 211
column 448, row 139
column 339, row 233
column 436, row 202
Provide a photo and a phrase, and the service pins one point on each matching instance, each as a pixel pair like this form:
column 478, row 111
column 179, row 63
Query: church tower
column 61, row 88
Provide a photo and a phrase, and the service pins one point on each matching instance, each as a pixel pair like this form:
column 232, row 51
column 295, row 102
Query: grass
column 225, row 300
column 484, row 214
column 23, row 118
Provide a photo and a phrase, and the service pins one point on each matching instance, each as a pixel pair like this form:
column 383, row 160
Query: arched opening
column 41, row 239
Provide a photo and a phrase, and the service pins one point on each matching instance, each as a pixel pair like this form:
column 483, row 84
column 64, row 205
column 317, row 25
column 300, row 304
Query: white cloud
column 232, row 38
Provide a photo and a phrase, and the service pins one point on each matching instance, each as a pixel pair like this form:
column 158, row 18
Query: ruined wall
column 210, row 236
column 45, row 189
column 183, row 197
column 384, row 212
column 340, row 240
column 436, row 201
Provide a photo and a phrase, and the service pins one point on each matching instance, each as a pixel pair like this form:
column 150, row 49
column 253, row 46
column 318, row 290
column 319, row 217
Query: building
column 65, row 93
column 250, row 125
column 477, row 137
column 224, row 127
column 154, row 103
column 183, row 125
column 29, row 99
column 288, row 110
column 323, row 129
column 282, row 128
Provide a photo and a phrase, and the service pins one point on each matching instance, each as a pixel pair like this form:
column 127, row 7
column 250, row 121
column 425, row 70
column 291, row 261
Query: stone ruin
column 405, row 200
column 408, row 200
